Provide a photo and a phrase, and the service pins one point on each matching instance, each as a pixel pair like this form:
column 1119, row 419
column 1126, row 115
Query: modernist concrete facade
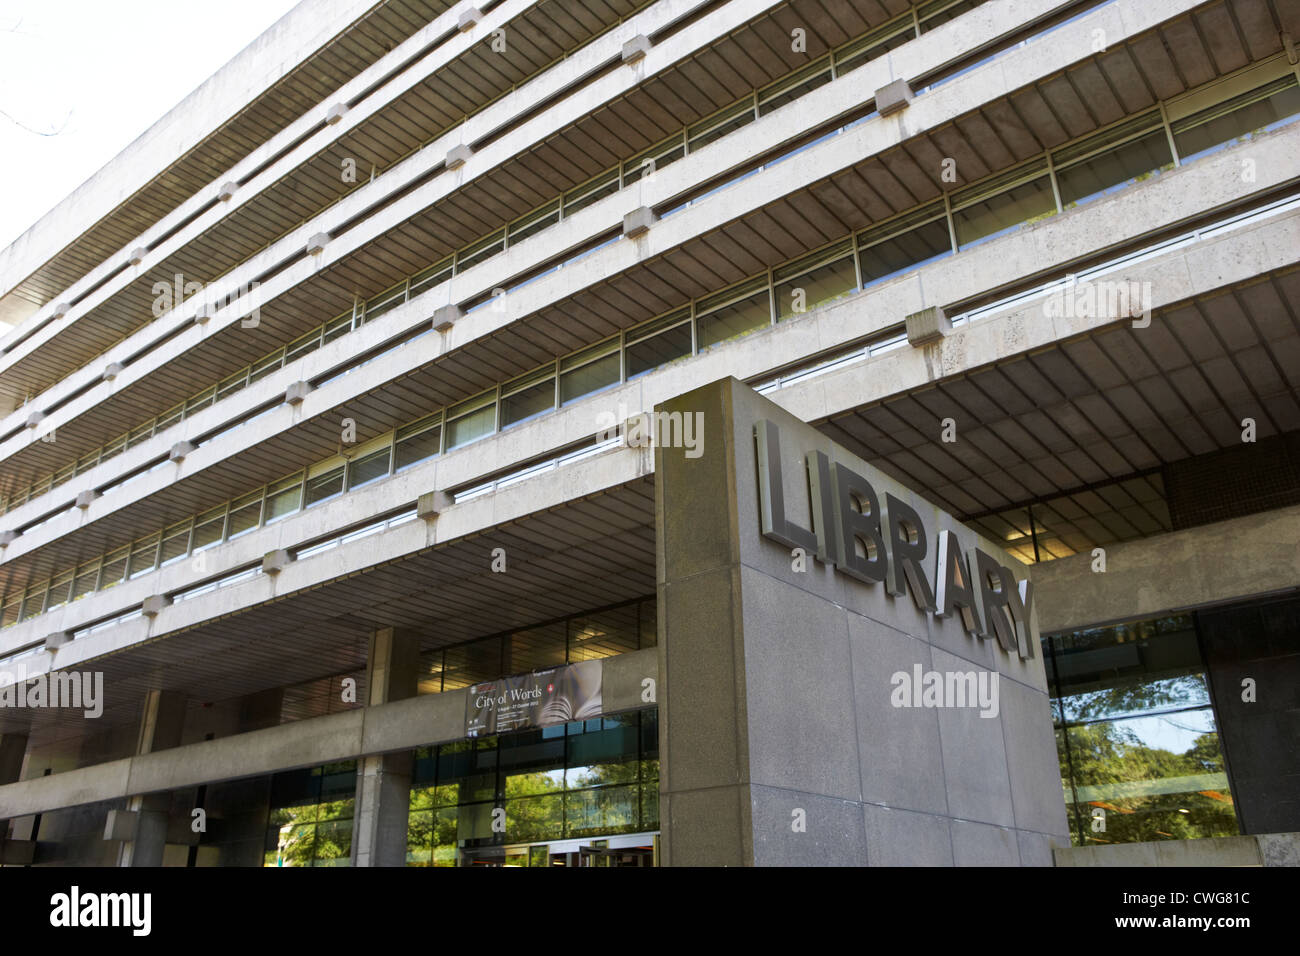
column 321, row 409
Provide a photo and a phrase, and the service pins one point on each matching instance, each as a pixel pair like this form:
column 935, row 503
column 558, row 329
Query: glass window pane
column 590, row 378
column 824, row 284
column 1114, row 168
column 476, row 424
column 603, row 634
column 793, row 87
column 325, row 485
column 368, row 469
column 472, row 663
column 1223, row 125
column 1005, row 211
column 658, row 350
column 908, row 250
column 282, row 503
column 652, row 160
column 537, row 648
column 531, row 401
column 418, row 446
column 735, row 319
column 244, row 518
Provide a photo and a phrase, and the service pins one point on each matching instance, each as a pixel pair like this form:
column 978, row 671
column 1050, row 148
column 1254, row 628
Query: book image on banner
column 538, row 699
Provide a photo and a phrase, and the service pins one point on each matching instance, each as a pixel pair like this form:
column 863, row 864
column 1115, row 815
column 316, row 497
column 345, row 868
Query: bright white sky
column 102, row 72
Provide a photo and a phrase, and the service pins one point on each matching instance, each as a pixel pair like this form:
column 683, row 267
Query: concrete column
column 161, row 726
column 384, row 780
column 782, row 738
column 13, row 747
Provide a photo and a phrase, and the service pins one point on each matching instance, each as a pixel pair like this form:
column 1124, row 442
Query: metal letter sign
column 884, row 541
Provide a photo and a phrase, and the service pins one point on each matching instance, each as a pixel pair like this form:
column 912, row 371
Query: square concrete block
column 317, row 243
column 468, row 19
column 7, row 538
column 180, row 450
column 227, row 191
column 60, row 310
column 153, row 604
column 805, row 829
column 445, row 317
column 276, row 561
column 928, row 325
column 638, row 222
column 136, row 256
column 204, row 313
column 296, row 392
column 35, row 418
column 893, row 97
column 86, row 498
column 431, row 504
column 457, row 156
column 113, row 370
column 904, row 838
column 636, row 48
column 336, row 113
column 121, row 825
column 979, row 844
column 1279, row 849
column 901, row 760
column 56, row 640
column 974, row 757
column 800, row 690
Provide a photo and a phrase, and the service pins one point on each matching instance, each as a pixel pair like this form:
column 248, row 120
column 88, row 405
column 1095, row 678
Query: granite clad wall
column 775, row 696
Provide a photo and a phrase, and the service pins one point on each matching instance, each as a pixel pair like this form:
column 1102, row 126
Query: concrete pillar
column 161, row 726
column 384, row 780
column 782, row 738
column 13, row 747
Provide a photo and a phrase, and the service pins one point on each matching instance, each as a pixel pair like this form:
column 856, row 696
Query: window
column 719, row 125
column 658, row 342
column 1136, row 733
column 590, row 370
column 1113, row 159
column 1237, row 119
column 606, row 184
column 905, row 243
column 527, row 396
column 311, row 816
column 368, row 468
column 324, row 486
column 535, row 222
column 471, row 419
column 114, row 569
column 794, row 86
column 481, row 251
column 144, row 556
column 815, row 280
column 875, row 44
column 418, row 441
column 283, row 497
column 733, row 312
column 175, row 543
column 430, row 277
column 653, row 159
column 245, row 515
column 1002, row 204
column 209, row 528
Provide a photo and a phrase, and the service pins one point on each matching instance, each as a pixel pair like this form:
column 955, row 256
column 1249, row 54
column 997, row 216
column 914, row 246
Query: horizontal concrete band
column 1262, row 849
column 1175, row 276
column 1241, row 558
column 1016, row 67
column 402, row 725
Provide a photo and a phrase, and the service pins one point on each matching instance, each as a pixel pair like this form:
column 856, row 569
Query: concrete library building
column 669, row 433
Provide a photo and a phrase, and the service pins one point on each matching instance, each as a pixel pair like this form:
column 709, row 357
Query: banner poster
column 540, row 699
